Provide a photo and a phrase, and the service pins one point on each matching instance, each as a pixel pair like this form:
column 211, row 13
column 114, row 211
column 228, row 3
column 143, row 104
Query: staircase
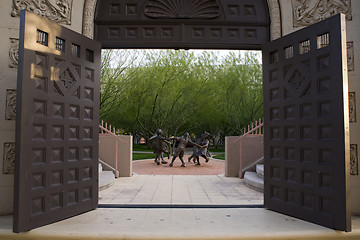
column 106, row 178
column 255, row 180
column 107, row 173
column 242, row 153
column 254, row 171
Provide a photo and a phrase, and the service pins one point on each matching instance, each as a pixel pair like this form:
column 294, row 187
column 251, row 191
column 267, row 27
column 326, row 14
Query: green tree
column 180, row 91
column 166, row 92
column 116, row 71
column 240, row 91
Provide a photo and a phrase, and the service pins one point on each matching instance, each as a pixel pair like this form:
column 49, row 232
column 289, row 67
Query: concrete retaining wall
column 241, row 152
column 108, row 152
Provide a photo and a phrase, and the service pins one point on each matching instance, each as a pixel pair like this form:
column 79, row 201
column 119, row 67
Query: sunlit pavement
column 148, row 223
column 180, row 189
column 180, row 223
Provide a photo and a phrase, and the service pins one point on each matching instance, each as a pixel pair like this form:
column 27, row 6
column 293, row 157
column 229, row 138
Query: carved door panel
column 306, row 124
column 56, row 174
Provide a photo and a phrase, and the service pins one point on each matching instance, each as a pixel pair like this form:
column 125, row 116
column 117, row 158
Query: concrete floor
column 180, row 189
column 238, row 223
column 173, row 223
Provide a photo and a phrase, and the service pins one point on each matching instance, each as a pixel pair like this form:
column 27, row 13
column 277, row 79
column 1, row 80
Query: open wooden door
column 56, row 173
column 306, row 125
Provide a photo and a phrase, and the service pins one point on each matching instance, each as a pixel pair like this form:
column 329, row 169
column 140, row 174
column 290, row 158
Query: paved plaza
column 186, row 223
column 180, row 189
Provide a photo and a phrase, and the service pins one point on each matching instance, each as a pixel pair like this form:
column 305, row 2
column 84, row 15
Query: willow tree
column 117, row 66
column 239, row 84
column 167, row 90
column 180, row 91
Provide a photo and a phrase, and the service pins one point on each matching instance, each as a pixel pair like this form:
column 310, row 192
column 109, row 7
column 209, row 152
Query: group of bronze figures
column 200, row 148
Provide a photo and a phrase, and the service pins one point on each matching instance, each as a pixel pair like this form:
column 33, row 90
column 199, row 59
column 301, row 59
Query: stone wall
column 65, row 12
column 9, row 40
column 241, row 152
column 108, row 151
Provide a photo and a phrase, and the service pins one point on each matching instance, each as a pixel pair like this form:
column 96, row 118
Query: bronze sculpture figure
column 180, row 150
column 160, row 146
column 204, row 142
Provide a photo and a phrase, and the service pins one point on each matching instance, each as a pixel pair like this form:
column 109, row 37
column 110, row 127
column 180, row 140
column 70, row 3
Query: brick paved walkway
column 149, row 167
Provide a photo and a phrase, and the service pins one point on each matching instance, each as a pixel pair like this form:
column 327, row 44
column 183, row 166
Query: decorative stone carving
column 14, row 52
column 275, row 26
column 55, row 10
column 200, row 9
column 9, row 158
column 350, row 56
column 354, row 169
column 10, row 110
column 274, row 10
column 352, row 107
column 307, row 12
column 88, row 18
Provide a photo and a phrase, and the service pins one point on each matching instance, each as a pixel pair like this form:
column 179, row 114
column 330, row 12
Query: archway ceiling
column 196, row 24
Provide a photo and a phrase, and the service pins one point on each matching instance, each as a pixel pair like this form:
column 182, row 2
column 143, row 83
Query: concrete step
column 260, row 170
column 106, row 180
column 252, row 180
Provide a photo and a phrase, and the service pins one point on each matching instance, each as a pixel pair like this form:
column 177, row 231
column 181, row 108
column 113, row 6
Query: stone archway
column 273, row 6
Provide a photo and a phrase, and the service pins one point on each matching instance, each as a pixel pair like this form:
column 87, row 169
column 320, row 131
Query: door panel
column 56, row 174
column 306, row 132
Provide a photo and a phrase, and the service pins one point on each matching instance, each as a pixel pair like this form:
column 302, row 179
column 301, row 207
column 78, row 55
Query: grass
column 148, row 155
column 140, row 147
column 143, row 147
column 220, row 156
column 140, row 156
column 220, row 149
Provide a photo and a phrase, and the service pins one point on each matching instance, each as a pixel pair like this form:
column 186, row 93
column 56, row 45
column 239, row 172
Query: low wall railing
column 256, row 127
column 241, row 155
column 108, row 130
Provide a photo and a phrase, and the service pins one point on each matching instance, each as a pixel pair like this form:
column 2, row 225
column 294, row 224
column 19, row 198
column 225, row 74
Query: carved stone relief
column 88, row 20
column 354, row 169
column 350, row 56
column 307, row 12
column 9, row 158
column 55, row 10
column 14, row 52
column 352, row 107
column 10, row 110
column 274, row 12
column 201, row 9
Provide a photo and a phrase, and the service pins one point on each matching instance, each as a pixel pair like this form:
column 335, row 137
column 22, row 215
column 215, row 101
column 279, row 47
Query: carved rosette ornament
column 192, row 9
column 352, row 107
column 14, row 52
column 10, row 110
column 354, row 169
column 55, row 10
column 9, row 158
column 307, row 12
column 350, row 56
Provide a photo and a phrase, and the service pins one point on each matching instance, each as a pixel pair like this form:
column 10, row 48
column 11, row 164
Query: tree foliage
column 178, row 91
